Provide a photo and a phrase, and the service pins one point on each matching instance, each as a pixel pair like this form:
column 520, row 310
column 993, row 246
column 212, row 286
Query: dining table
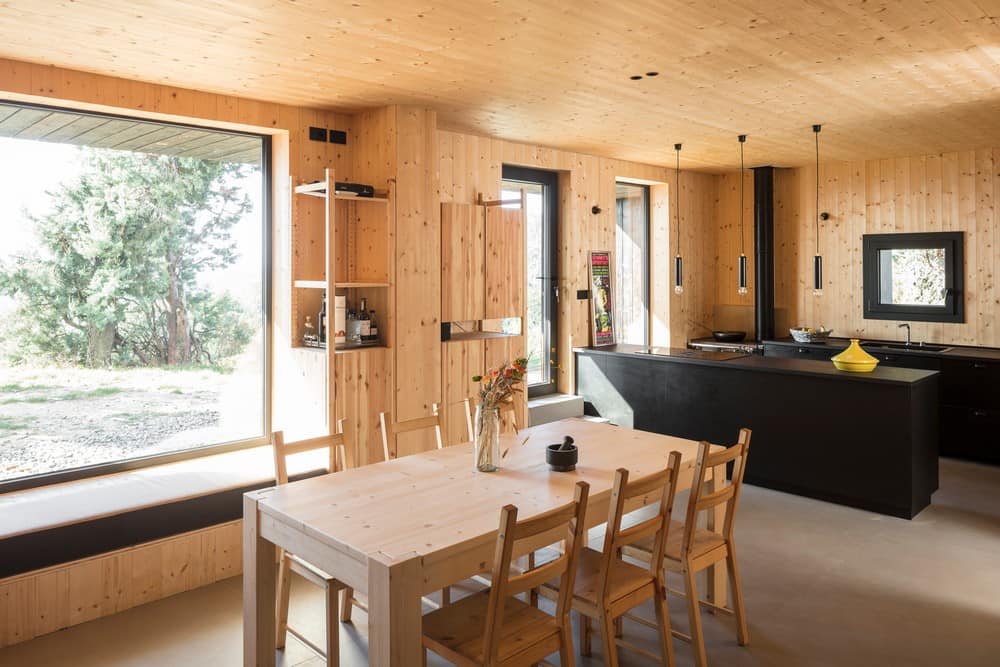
column 401, row 529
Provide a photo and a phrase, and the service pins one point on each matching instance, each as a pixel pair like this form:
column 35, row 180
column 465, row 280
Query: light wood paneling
column 418, row 274
column 463, row 258
column 462, row 360
column 946, row 192
column 363, row 381
column 733, row 311
column 504, row 268
column 893, row 78
column 58, row 597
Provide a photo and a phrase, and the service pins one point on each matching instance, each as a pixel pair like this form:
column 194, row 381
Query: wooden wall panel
column 946, row 192
column 61, row 596
column 505, row 263
column 363, row 381
column 418, row 274
column 500, row 350
column 732, row 310
column 463, row 258
column 462, row 360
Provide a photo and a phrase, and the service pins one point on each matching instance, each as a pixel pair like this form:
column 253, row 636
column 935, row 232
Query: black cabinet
column 970, row 393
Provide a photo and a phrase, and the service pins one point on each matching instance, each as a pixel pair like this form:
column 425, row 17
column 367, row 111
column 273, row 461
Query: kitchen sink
column 915, row 347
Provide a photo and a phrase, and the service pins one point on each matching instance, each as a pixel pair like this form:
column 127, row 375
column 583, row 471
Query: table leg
column 259, row 580
column 394, row 611
column 715, row 589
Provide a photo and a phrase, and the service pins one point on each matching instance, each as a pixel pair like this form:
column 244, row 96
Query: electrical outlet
column 583, row 294
column 317, row 134
column 338, row 137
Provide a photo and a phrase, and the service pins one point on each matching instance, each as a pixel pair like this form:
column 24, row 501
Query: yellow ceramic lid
column 855, row 355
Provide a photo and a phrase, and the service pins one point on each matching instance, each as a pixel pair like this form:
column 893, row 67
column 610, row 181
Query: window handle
column 555, row 292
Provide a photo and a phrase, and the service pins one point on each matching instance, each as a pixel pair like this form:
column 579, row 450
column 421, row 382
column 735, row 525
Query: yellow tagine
column 855, row 359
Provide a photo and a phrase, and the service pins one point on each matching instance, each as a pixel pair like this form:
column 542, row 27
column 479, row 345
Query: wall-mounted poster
column 602, row 323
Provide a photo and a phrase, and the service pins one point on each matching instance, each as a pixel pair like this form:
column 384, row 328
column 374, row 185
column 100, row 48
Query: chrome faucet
column 907, row 325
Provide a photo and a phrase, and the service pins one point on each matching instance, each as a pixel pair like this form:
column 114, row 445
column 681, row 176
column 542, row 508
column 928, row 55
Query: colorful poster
column 601, row 308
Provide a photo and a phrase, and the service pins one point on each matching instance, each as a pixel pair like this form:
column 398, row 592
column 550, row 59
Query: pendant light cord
column 677, row 196
column 816, row 129
column 742, row 242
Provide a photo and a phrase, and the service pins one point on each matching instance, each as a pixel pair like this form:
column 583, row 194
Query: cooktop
column 709, row 355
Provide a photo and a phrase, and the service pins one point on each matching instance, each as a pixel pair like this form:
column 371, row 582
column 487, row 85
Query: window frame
column 549, row 180
column 267, row 320
column 646, row 268
column 954, row 267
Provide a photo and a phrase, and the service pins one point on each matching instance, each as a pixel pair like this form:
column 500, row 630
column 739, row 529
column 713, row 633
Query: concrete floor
column 824, row 585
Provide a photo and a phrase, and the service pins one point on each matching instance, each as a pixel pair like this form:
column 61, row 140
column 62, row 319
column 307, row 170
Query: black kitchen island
column 867, row 440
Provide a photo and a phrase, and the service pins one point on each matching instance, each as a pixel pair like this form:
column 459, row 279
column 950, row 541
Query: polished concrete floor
column 824, row 585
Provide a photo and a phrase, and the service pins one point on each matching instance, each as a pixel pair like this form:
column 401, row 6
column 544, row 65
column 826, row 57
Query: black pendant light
column 742, row 288
column 678, row 261
column 817, row 259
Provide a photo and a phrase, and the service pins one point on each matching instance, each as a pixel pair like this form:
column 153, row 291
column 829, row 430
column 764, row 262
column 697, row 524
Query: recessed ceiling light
column 651, row 73
column 635, row 77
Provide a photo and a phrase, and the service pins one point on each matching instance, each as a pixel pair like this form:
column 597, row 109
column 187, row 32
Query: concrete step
column 554, row 407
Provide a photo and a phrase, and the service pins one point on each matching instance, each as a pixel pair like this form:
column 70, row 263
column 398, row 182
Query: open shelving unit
column 349, row 254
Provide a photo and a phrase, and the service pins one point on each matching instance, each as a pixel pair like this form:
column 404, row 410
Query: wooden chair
column 493, row 628
column 607, row 587
column 690, row 550
column 390, row 428
column 336, row 444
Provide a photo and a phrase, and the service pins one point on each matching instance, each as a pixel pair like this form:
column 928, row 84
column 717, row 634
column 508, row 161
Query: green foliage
column 114, row 280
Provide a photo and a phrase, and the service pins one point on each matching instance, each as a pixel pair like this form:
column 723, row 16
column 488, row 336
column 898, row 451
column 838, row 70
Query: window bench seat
column 56, row 524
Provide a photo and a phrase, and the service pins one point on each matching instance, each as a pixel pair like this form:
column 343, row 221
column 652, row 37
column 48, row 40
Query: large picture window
column 132, row 292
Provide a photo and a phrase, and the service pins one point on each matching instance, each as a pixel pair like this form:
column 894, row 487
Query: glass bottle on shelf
column 374, row 327
column 365, row 321
column 322, row 321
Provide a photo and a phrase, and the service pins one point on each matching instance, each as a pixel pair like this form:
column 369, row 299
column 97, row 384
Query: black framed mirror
column 916, row 277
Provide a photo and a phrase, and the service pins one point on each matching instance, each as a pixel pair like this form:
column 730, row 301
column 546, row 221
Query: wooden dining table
column 404, row 528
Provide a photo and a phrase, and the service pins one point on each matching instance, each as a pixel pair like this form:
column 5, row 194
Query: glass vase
column 487, row 444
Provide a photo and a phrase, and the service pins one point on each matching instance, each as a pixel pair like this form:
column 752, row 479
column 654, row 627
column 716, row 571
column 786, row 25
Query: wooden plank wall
column 61, row 596
column 733, row 311
column 944, row 192
column 471, row 164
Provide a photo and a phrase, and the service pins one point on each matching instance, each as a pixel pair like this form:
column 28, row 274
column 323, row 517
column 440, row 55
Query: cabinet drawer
column 799, row 352
column 906, row 361
column 970, row 433
column 971, row 382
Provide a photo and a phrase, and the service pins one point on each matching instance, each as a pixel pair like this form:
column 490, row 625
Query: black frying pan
column 729, row 336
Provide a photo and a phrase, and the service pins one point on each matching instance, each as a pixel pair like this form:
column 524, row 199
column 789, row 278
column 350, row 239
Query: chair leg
column 446, row 596
column 332, row 627
column 694, row 615
column 585, row 632
column 281, row 612
column 566, row 657
column 608, row 638
column 742, row 635
column 663, row 627
column 345, row 605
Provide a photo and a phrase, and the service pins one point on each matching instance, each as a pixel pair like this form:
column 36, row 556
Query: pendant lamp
column 678, row 261
column 742, row 284
column 817, row 259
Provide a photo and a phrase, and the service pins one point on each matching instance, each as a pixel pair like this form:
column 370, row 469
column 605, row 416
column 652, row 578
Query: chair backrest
column 336, row 444
column 569, row 517
column 659, row 487
column 728, row 493
column 508, row 416
column 391, row 429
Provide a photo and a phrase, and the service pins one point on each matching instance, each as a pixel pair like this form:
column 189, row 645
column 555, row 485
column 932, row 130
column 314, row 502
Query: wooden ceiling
column 885, row 77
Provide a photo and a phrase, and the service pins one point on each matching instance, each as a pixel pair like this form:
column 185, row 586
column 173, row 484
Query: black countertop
column 952, row 351
column 756, row 362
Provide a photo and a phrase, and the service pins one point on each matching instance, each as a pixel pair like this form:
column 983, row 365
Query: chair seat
column 704, row 542
column 625, row 577
column 460, row 627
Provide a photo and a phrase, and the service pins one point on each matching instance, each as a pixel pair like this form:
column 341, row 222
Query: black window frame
column 267, row 218
column 549, row 180
column 646, row 276
column 954, row 245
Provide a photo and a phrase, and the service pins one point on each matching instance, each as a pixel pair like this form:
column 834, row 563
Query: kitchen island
column 867, row 440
